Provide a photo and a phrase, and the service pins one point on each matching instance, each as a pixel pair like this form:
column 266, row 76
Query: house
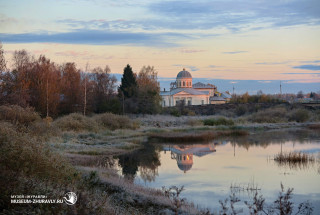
column 182, row 90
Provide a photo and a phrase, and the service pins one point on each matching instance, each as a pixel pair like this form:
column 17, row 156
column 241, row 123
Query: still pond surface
column 208, row 170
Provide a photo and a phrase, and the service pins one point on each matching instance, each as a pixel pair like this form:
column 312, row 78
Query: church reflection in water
column 183, row 154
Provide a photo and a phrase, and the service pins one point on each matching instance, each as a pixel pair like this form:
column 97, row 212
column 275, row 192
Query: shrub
column 241, row 110
column 18, row 115
column 76, row 122
column 271, row 115
column 113, row 121
column 299, row 115
column 175, row 112
column 21, row 153
column 218, row 121
column 194, row 122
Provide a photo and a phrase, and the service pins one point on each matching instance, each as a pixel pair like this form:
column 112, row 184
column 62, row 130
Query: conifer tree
column 128, row 83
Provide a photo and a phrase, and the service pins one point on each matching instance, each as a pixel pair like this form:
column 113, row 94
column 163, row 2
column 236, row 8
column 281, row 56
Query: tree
column 148, row 91
column 128, row 83
column 259, row 93
column 70, row 87
column 15, row 84
column 312, row 95
column 44, row 89
column 3, row 66
column 104, row 86
column 300, row 94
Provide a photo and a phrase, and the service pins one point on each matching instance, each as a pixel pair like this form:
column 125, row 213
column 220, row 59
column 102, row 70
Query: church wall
column 169, row 101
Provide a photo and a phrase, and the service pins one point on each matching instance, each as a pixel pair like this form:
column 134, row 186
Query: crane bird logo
column 70, row 198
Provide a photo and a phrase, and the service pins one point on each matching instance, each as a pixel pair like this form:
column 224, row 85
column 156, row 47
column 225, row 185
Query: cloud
column 234, row 52
column 300, row 73
column 206, row 14
column 272, row 63
column 308, row 67
column 40, row 51
column 233, row 82
column 213, row 66
column 264, row 82
column 192, row 68
column 235, row 16
column 72, row 53
column 312, row 61
column 97, row 37
column 189, row 51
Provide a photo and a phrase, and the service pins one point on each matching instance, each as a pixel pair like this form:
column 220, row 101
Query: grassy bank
column 184, row 137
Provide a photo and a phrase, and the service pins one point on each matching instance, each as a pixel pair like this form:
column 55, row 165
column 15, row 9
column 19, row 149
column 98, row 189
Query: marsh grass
column 218, row 121
column 76, row 122
column 295, row 160
column 294, row 157
column 113, row 121
column 270, row 115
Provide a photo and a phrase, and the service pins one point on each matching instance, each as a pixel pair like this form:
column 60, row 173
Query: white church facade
column 182, row 90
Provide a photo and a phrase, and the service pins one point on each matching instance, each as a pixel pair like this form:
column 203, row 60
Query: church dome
column 184, row 167
column 184, row 74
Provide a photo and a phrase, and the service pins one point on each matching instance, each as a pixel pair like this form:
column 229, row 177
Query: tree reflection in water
column 146, row 160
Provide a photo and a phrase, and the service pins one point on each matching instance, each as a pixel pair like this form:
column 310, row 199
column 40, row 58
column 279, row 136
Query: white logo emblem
column 70, row 198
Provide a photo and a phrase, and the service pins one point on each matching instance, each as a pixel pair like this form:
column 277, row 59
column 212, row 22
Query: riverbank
column 75, row 153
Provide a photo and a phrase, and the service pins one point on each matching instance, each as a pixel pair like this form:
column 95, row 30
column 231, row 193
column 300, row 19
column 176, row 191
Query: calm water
column 207, row 170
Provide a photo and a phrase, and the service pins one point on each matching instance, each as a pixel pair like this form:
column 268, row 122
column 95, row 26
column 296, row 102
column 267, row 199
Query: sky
column 250, row 45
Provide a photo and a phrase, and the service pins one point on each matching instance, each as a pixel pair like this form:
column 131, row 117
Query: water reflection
column 183, row 154
column 208, row 169
column 145, row 160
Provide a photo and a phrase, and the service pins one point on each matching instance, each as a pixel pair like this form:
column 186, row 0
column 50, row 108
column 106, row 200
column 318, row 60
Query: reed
column 294, row 157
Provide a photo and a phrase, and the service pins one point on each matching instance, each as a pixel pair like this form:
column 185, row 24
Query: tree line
column 55, row 89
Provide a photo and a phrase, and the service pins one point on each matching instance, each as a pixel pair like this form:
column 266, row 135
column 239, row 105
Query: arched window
column 184, row 84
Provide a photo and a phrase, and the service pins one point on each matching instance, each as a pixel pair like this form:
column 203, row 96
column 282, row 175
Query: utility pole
column 47, row 97
column 280, row 89
column 85, row 90
column 122, row 102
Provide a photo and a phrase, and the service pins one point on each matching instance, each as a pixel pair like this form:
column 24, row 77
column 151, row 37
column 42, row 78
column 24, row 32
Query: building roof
column 202, row 85
column 187, row 90
column 217, row 98
column 184, row 74
column 226, row 95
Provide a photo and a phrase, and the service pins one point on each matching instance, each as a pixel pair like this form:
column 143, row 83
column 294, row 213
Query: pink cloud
column 72, row 53
column 40, row 51
column 188, row 51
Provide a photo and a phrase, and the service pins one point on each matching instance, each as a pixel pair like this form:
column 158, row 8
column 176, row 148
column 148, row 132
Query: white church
column 182, row 90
